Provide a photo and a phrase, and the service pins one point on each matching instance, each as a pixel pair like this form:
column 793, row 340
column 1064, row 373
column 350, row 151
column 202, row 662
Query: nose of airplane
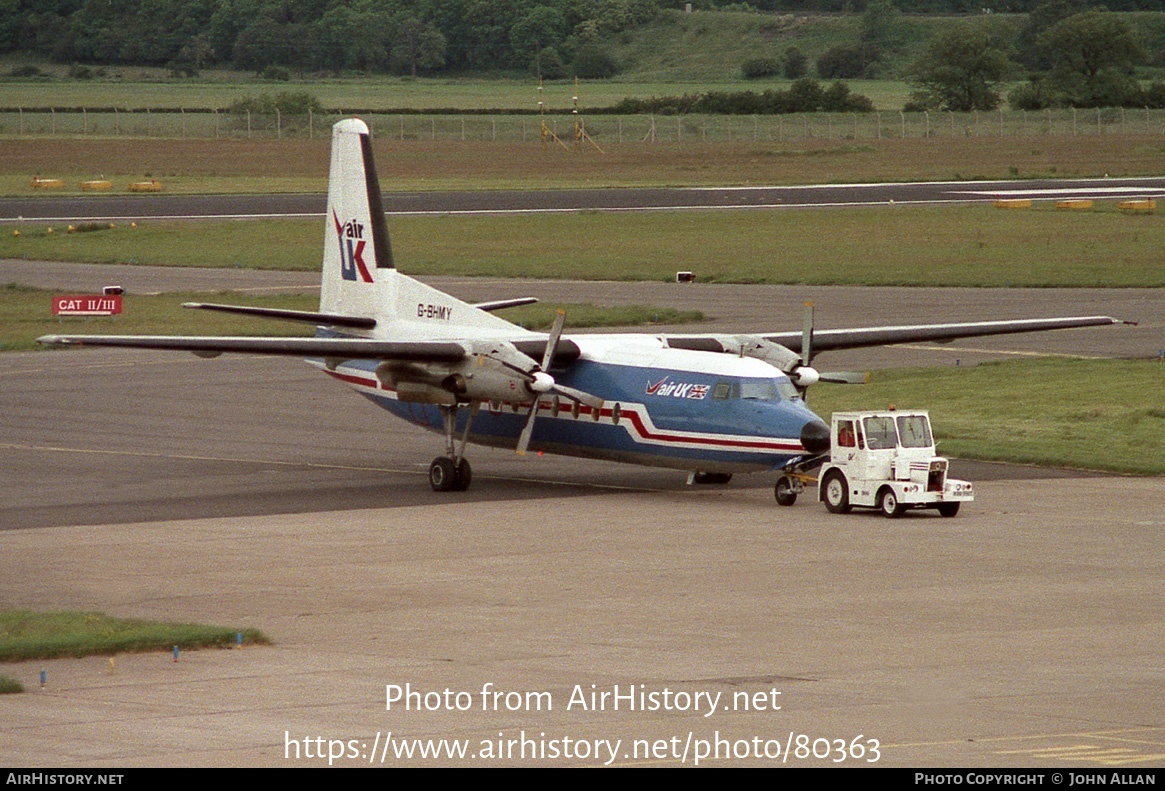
column 815, row 437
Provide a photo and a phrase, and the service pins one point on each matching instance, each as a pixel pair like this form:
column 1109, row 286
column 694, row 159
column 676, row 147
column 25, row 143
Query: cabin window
column 845, row 434
column 759, row 390
column 722, row 391
column 880, row 433
column 914, row 431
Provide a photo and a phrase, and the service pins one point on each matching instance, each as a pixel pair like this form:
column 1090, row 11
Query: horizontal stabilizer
column 335, row 348
column 330, row 319
column 499, row 304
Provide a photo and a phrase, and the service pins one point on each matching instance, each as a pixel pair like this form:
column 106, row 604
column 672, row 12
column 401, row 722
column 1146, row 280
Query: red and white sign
column 87, row 305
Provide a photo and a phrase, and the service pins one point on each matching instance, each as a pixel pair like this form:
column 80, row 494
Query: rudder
column 356, row 241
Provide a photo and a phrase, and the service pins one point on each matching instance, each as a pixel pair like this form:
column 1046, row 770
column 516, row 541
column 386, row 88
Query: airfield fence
column 882, row 125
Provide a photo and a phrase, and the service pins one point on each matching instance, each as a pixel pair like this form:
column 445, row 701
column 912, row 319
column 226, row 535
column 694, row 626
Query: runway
column 124, row 208
column 1025, row 632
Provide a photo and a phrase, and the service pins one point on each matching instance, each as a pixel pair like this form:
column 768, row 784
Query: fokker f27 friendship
column 710, row 404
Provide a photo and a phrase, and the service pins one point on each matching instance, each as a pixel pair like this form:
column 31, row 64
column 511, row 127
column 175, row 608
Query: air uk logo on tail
column 351, row 238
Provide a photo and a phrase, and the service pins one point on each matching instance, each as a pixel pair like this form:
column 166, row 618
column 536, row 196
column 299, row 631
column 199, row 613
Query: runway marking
column 190, row 457
column 348, row 467
column 1068, row 191
column 133, row 364
column 1107, row 755
column 864, row 185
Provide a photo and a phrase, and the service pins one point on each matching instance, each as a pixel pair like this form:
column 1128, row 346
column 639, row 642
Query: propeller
column 805, row 375
column 795, row 366
column 539, row 382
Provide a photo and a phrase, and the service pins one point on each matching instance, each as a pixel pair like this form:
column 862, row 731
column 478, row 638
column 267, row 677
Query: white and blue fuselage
column 663, row 407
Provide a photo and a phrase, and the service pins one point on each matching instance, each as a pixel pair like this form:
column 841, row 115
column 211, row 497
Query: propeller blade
column 528, row 429
column 542, row 382
column 807, row 335
column 552, row 341
column 845, row 377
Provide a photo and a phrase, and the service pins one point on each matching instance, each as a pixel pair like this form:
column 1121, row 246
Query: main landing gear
column 451, row 472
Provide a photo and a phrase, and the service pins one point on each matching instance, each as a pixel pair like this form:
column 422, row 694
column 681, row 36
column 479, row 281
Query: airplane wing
column 336, row 348
column 825, row 340
column 861, row 337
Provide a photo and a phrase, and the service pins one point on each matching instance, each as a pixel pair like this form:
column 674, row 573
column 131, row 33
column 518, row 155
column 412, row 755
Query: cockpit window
column 759, row 390
column 914, row 430
column 880, row 433
column 787, row 390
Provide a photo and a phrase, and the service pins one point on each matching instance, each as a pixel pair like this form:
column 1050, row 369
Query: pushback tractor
column 884, row 460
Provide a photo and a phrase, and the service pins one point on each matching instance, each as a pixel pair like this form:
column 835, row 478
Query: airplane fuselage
column 662, row 407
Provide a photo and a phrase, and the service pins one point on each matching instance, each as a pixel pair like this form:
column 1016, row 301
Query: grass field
column 391, row 93
column 975, row 245
column 261, row 166
column 26, row 635
column 1090, row 414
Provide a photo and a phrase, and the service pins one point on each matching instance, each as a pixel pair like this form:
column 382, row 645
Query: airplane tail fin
column 360, row 284
column 357, row 250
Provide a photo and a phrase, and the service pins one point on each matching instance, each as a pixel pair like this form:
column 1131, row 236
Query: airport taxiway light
column 238, row 639
column 44, row 677
column 111, row 666
column 175, row 653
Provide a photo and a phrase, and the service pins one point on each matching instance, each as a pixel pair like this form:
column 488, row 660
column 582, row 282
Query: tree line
column 402, row 36
column 1065, row 55
column 1070, row 57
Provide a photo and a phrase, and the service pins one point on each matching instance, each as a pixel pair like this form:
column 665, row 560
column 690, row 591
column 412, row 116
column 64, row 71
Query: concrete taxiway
column 256, row 492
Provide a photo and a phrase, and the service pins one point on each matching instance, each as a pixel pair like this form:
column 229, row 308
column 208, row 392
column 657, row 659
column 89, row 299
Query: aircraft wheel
column 949, row 509
column 784, row 492
column 888, row 502
column 836, row 493
column 442, row 474
column 463, row 476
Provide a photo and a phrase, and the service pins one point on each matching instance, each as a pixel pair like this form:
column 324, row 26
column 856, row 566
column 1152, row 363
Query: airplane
column 709, row 404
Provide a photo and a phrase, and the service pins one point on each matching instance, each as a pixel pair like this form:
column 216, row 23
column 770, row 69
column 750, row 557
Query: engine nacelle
column 774, row 354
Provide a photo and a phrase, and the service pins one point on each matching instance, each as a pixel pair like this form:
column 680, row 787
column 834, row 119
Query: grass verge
column 25, row 316
column 969, row 245
column 26, row 635
column 1088, row 414
column 9, row 685
column 259, row 166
